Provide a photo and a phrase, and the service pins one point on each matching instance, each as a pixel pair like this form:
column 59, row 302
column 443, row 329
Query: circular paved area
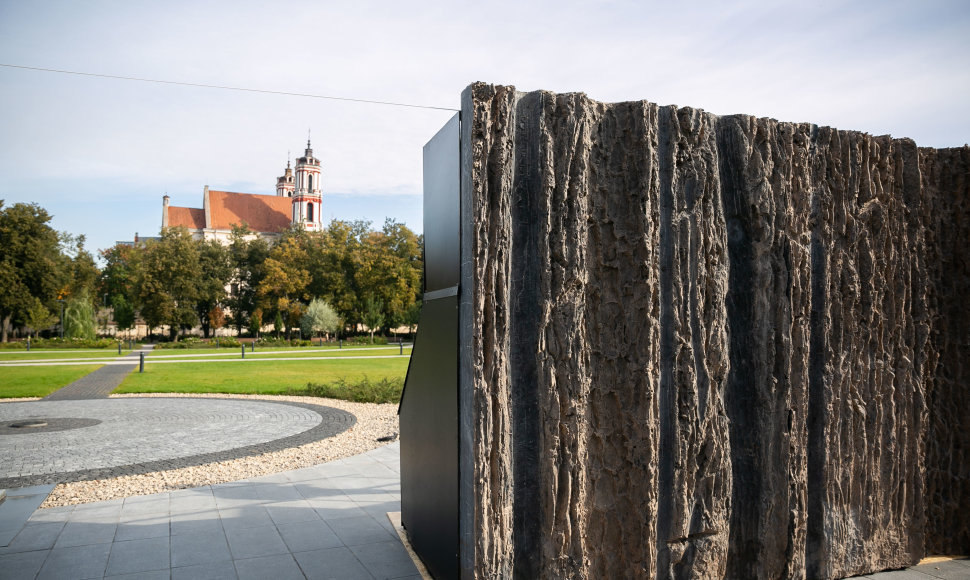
column 99, row 438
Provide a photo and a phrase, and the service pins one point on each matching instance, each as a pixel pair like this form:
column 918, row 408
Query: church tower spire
column 306, row 193
column 285, row 182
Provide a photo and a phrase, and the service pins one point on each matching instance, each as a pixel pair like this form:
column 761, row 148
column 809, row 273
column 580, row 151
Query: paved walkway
column 100, row 383
column 326, row 521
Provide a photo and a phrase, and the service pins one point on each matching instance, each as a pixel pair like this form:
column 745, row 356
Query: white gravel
column 373, row 421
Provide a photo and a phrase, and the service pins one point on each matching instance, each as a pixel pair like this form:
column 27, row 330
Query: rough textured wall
column 767, row 191
column 946, row 188
column 705, row 347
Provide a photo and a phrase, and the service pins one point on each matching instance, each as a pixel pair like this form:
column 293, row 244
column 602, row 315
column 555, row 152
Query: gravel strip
column 373, row 421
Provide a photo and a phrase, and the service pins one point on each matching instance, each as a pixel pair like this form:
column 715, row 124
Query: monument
column 659, row 343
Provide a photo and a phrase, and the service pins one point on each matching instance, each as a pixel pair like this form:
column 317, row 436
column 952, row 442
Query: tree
column 247, row 255
column 319, row 317
column 278, row 323
column 294, row 313
column 124, row 312
column 217, row 319
column 39, row 317
column 332, row 265
column 79, row 317
column 256, row 322
column 285, row 281
column 116, row 276
column 31, row 263
column 413, row 316
column 83, row 271
column 373, row 315
column 389, row 269
column 216, row 267
column 166, row 280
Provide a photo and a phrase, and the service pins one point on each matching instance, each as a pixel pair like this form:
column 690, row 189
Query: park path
column 99, row 383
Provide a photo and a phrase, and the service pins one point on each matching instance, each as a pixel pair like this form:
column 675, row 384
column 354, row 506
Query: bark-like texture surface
column 711, row 347
column 946, row 202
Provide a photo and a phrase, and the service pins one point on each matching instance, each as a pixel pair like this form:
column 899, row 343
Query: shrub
column 365, row 340
column 361, row 391
column 72, row 343
column 196, row 342
column 267, row 342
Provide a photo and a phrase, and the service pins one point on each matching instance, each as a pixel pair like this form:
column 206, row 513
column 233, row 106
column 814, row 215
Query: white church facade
column 298, row 202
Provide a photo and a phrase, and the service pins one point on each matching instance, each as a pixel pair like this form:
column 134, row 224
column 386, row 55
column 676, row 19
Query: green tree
column 166, row 280
column 79, row 316
column 319, row 317
column 84, row 272
column 373, row 315
column 413, row 316
column 124, row 312
column 247, row 254
column 116, row 275
column 38, row 317
column 31, row 263
column 216, row 266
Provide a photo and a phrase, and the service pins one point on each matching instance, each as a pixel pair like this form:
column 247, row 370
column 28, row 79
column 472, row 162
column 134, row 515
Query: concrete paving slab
column 17, row 507
column 336, row 528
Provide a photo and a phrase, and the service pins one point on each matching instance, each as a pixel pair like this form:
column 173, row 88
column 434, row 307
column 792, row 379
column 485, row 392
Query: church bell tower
column 306, row 191
column 284, row 183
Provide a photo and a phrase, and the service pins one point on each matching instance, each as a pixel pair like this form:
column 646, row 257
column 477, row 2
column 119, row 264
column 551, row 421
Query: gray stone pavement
column 98, row 438
column 325, row 521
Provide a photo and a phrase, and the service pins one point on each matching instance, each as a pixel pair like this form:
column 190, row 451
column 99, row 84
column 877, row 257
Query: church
column 297, row 203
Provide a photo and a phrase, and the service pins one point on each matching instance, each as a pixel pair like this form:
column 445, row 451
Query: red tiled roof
column 262, row 213
column 190, row 217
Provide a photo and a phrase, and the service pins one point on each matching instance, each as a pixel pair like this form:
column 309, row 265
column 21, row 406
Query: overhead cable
column 227, row 88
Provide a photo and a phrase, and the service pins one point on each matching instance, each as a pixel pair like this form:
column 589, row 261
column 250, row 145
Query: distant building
column 297, row 202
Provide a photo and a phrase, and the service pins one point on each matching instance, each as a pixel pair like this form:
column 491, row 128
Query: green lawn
column 39, row 381
column 58, row 355
column 223, row 353
column 254, row 376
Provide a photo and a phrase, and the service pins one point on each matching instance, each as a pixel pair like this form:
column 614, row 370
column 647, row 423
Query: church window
column 309, row 212
column 309, row 182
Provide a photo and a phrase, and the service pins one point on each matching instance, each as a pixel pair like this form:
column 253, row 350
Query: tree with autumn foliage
column 389, row 272
column 285, row 281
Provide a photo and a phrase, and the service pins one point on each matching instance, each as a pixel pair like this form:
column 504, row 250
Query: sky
column 99, row 153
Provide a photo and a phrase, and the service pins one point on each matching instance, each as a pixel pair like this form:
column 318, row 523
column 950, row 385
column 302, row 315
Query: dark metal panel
column 429, row 404
column 441, row 185
column 429, row 440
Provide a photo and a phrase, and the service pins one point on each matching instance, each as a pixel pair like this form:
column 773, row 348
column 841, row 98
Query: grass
column 277, row 353
column 11, row 356
column 39, row 381
column 267, row 378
